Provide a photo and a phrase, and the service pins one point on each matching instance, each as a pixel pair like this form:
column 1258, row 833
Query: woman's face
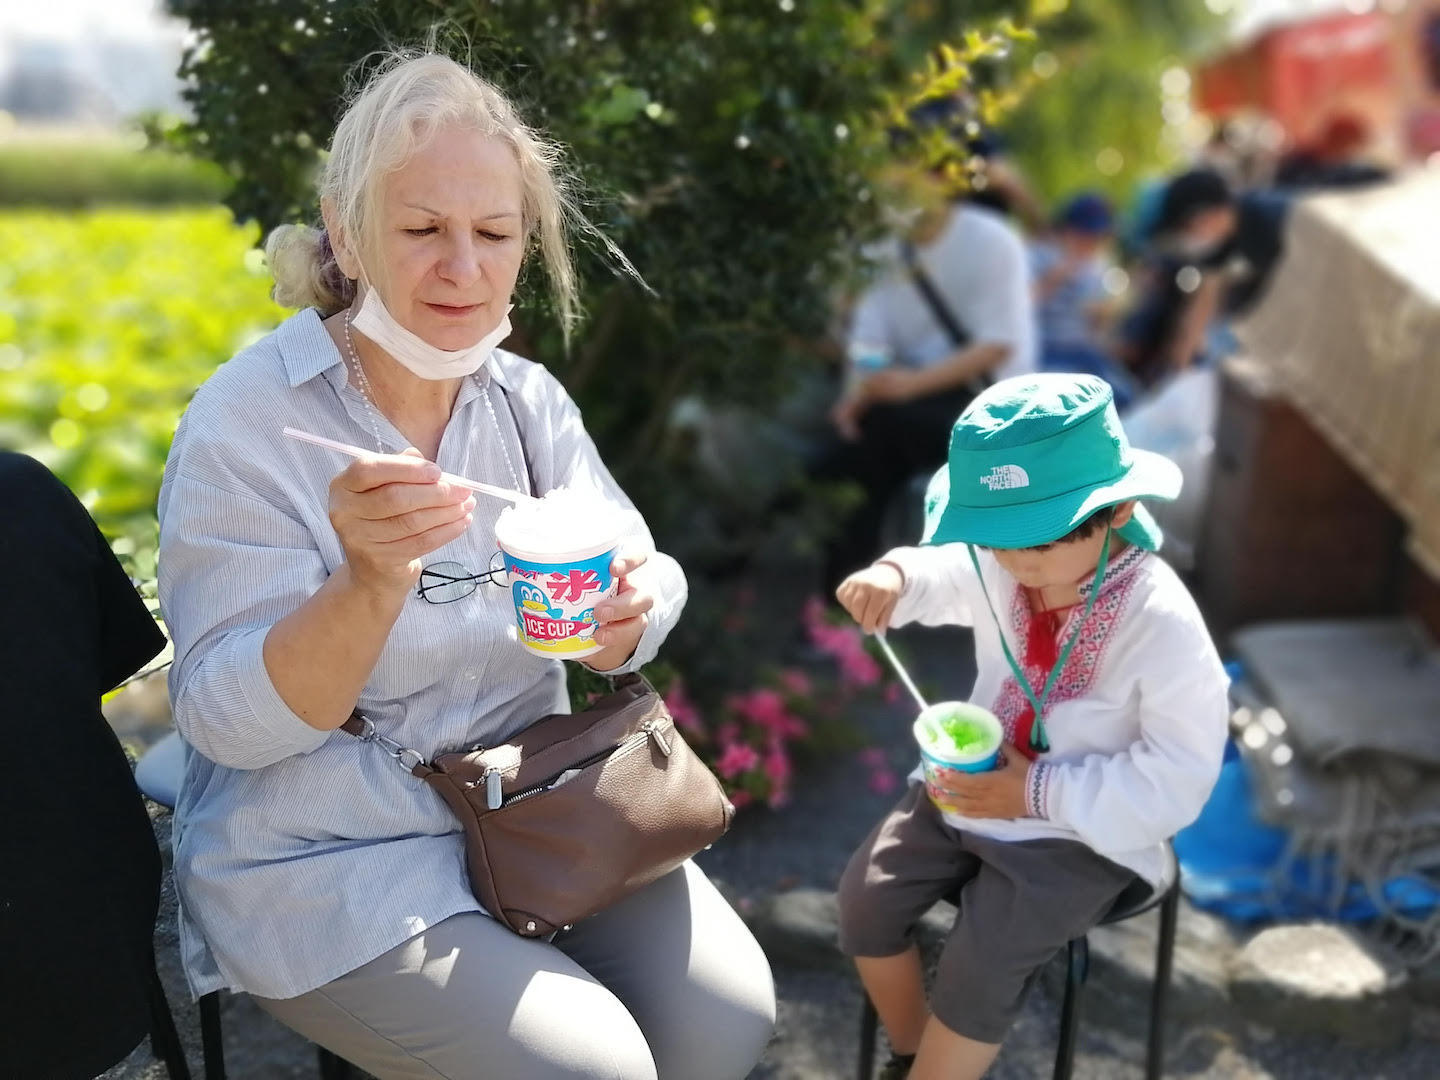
column 450, row 238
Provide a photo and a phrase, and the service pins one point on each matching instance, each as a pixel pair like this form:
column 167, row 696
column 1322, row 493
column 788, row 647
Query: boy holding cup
column 1094, row 657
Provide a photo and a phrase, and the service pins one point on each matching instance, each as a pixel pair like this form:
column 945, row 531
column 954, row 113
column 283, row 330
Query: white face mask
column 417, row 354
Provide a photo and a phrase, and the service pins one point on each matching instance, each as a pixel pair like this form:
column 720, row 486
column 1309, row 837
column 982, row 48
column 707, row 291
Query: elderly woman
column 315, row 875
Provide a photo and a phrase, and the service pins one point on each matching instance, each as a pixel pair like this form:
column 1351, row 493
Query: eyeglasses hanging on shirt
column 446, row 582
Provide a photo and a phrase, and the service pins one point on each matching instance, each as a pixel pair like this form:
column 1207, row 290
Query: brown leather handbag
column 577, row 811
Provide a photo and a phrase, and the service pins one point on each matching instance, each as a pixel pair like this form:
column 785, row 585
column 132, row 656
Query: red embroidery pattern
column 1095, row 635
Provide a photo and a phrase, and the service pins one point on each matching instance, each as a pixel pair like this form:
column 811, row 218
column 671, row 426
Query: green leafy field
column 109, row 321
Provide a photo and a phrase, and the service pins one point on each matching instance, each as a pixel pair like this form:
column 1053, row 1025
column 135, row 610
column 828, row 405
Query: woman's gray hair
column 410, row 96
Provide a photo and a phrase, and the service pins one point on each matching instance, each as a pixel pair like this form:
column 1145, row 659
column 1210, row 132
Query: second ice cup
column 956, row 736
column 558, row 552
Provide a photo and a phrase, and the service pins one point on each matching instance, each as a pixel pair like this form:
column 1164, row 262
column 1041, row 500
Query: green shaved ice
column 964, row 733
column 967, row 736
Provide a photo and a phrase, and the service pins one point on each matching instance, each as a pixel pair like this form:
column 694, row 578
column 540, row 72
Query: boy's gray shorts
column 1019, row 903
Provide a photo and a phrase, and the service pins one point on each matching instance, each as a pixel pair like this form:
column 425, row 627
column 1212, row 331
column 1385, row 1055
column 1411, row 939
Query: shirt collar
column 1120, row 568
column 306, row 348
column 307, row 351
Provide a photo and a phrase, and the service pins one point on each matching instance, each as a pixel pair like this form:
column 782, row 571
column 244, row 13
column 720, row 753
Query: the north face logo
column 1006, row 478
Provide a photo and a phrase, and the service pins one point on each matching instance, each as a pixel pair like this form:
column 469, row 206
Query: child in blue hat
column 1095, row 658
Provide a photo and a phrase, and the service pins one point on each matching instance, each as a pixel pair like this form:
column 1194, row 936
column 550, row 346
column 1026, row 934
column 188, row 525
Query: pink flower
column 813, row 614
column 796, row 682
column 766, row 709
column 777, row 765
column 778, row 797
column 740, row 799
column 872, row 757
column 893, row 694
column 727, row 733
column 858, row 668
column 735, row 759
column 683, row 709
column 844, row 644
column 883, row 781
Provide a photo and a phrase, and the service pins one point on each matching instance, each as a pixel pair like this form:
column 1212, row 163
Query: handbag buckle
column 407, row 757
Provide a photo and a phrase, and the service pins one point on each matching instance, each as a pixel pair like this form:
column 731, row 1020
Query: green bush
column 66, row 175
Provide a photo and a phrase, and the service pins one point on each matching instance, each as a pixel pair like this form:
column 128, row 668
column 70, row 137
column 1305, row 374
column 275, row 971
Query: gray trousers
column 667, row 984
column 1019, row 904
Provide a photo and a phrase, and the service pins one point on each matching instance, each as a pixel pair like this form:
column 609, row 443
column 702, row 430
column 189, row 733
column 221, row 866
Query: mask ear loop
column 1039, row 740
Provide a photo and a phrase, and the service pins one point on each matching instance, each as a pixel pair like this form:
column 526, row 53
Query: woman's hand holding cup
column 389, row 512
column 622, row 619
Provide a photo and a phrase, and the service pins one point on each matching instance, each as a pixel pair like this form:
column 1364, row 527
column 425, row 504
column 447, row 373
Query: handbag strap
column 407, row 757
column 519, row 434
column 360, row 725
column 413, row 761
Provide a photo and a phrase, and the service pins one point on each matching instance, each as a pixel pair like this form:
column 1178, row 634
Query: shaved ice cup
column 556, row 588
column 940, row 757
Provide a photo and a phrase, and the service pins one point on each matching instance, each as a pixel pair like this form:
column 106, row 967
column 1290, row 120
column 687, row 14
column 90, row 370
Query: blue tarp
column 1232, row 864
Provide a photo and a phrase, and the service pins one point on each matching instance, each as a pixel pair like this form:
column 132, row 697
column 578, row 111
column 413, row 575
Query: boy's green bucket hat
column 1033, row 457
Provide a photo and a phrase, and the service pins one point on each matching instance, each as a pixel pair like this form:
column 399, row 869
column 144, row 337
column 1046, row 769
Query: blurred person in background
column 1071, row 302
column 1212, row 252
column 947, row 312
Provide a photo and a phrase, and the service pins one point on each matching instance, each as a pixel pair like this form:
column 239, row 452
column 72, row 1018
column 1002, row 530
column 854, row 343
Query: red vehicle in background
column 1337, row 84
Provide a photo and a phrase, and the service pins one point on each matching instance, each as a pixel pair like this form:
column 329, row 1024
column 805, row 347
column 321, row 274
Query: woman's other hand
column 622, row 619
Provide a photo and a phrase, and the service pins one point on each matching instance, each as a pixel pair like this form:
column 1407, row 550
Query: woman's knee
column 706, row 1001
column 723, row 1028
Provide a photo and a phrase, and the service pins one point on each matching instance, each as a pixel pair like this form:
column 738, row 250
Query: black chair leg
column 869, row 1027
column 1164, row 962
column 332, row 1066
column 164, row 1039
column 210, row 1037
column 1077, row 970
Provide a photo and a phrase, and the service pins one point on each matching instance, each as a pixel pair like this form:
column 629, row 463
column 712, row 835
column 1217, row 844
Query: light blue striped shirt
column 302, row 854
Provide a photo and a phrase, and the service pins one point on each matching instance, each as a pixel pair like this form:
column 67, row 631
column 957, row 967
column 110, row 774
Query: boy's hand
column 870, row 595
column 999, row 793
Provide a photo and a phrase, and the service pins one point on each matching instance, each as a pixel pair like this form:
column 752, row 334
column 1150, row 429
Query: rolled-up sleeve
column 231, row 566
column 578, row 465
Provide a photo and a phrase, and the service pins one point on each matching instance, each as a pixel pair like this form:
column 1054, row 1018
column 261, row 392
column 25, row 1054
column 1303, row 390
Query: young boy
column 1072, row 304
column 1094, row 657
column 1068, row 271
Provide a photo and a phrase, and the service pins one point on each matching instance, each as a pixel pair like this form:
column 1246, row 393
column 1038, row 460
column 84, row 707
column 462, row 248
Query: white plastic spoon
column 449, row 478
column 900, row 670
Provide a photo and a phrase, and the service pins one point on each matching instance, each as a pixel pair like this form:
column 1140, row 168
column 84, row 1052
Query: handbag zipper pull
column 493, row 797
column 653, row 730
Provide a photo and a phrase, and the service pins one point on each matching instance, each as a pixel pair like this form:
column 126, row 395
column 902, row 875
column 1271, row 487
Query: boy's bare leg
column 897, row 987
column 944, row 1055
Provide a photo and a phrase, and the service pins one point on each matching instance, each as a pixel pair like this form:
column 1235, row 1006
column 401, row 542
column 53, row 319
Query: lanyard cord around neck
column 1039, row 741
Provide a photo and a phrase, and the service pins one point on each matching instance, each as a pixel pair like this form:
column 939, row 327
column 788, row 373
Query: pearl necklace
column 367, row 393
column 363, row 382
